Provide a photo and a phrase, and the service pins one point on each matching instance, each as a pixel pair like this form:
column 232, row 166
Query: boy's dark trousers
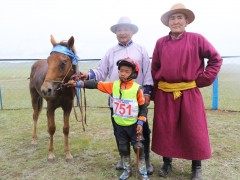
column 146, row 135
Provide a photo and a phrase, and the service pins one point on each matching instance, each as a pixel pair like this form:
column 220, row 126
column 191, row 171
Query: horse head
column 62, row 64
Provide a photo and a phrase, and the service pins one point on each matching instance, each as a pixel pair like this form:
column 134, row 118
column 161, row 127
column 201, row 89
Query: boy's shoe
column 125, row 175
column 119, row 165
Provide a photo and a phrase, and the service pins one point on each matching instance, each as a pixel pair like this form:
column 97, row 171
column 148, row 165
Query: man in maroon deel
column 178, row 70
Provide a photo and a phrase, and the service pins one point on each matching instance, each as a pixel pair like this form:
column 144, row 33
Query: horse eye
column 63, row 64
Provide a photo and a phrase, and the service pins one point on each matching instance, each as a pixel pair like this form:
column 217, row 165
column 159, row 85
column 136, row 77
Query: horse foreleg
column 66, row 133
column 51, row 131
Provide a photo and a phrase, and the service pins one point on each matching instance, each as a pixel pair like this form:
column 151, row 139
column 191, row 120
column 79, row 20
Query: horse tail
column 40, row 104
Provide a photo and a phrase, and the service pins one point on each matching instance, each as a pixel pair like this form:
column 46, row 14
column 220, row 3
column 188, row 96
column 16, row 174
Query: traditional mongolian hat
column 124, row 21
column 178, row 8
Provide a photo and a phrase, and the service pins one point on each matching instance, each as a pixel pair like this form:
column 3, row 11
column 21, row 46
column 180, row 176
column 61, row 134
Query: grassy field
column 15, row 94
column 95, row 152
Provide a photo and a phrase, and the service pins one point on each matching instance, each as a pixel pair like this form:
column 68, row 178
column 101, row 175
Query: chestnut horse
column 47, row 80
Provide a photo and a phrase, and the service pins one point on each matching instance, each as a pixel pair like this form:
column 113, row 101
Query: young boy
column 129, row 109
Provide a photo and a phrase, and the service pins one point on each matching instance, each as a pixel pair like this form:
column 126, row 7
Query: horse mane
column 65, row 43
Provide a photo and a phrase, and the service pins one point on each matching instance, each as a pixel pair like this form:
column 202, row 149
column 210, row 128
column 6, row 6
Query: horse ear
column 53, row 41
column 71, row 42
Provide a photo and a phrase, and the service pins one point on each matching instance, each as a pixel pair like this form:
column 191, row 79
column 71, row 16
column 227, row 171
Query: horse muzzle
column 49, row 89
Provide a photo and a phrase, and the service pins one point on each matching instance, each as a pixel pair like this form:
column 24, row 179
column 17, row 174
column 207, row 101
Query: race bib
column 125, row 108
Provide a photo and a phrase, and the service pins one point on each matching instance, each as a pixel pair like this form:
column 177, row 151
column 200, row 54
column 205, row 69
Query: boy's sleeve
column 105, row 87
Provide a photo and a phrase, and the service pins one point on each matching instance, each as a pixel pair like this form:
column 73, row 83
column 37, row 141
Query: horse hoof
column 69, row 158
column 51, row 160
column 34, row 145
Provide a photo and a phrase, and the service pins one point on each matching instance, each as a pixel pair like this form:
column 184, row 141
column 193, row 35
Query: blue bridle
column 65, row 50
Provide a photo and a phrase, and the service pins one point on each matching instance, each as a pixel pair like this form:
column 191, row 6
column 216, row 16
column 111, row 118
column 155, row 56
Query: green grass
column 15, row 93
column 94, row 150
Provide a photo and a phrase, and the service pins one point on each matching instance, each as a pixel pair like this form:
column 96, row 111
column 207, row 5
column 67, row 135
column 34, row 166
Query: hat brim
column 133, row 27
column 190, row 15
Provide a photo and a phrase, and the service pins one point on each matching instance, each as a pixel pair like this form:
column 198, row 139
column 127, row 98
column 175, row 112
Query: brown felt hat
column 178, row 8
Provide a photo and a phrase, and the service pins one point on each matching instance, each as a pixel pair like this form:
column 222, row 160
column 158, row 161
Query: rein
column 79, row 104
column 77, row 77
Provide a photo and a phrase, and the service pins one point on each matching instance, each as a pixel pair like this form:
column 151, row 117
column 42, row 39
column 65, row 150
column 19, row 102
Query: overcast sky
column 26, row 25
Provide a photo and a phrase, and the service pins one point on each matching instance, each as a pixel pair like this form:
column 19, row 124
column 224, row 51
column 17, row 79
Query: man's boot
column 196, row 170
column 166, row 167
column 119, row 165
column 127, row 168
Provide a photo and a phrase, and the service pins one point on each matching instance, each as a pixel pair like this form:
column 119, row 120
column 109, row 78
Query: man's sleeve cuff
column 147, row 89
column 91, row 74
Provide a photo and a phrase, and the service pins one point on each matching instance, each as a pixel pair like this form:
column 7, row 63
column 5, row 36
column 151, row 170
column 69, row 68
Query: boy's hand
column 139, row 129
column 71, row 83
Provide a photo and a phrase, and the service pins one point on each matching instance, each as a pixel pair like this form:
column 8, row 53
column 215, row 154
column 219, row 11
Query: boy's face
column 124, row 72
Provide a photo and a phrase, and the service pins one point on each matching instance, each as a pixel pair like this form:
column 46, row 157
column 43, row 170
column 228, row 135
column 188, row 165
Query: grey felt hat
column 124, row 21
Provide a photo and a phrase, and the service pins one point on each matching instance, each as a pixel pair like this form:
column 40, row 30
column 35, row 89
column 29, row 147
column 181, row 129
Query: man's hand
column 147, row 100
column 70, row 83
column 84, row 75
